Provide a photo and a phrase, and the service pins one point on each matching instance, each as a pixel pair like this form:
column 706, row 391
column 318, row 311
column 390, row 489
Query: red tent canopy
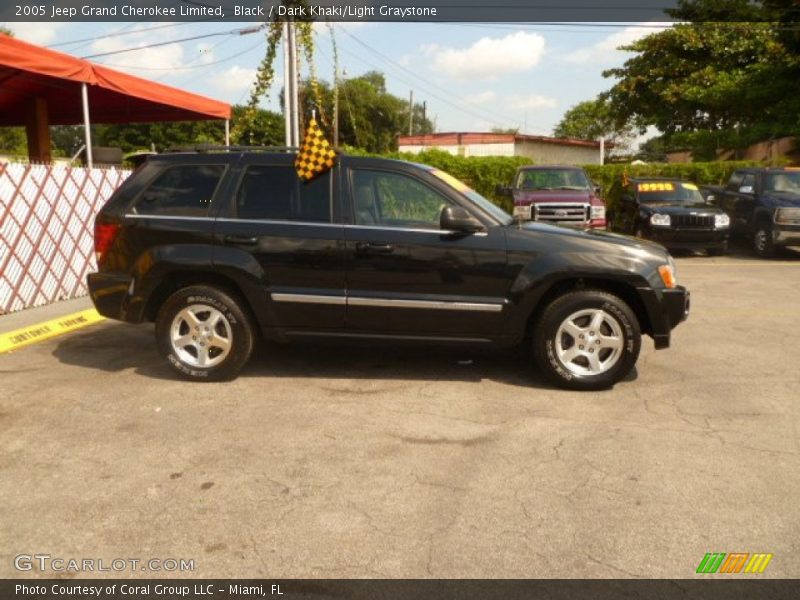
column 28, row 71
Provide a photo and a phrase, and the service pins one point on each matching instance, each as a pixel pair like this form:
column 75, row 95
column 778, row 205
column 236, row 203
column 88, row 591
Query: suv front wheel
column 204, row 333
column 587, row 340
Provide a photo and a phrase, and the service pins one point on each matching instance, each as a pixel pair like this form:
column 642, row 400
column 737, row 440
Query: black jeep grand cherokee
column 219, row 248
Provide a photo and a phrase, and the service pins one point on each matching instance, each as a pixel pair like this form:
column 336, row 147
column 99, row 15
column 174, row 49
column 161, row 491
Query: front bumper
column 666, row 308
column 786, row 235
column 688, row 238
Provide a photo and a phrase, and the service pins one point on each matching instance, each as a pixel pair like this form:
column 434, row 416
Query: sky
column 473, row 76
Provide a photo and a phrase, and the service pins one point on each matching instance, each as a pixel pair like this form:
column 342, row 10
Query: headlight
column 660, row 220
column 598, row 212
column 722, row 221
column 788, row 216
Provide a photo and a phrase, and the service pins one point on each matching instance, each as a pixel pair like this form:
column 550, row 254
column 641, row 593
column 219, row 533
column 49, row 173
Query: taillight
column 104, row 236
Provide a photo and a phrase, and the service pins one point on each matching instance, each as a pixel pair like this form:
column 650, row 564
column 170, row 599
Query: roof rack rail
column 217, row 148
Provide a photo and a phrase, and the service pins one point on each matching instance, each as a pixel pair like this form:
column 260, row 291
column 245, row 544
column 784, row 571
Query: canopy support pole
column 86, row 125
column 227, row 132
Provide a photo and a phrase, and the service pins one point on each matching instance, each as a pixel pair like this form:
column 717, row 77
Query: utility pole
column 336, row 106
column 294, row 74
column 291, row 107
column 411, row 112
column 424, row 112
column 287, row 92
column 602, row 151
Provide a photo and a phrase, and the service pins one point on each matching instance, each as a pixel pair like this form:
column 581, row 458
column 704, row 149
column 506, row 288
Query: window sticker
column 658, row 186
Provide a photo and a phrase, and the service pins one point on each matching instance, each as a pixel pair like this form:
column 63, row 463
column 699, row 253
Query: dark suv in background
column 221, row 248
column 671, row 212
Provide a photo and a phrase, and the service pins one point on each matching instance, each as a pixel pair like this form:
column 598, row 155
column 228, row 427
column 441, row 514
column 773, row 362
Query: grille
column 697, row 221
column 571, row 213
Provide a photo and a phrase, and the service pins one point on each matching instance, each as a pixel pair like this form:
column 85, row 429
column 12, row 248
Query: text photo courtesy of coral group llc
column 384, row 300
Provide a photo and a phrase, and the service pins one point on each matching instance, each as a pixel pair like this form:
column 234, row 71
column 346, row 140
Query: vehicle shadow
column 740, row 250
column 116, row 347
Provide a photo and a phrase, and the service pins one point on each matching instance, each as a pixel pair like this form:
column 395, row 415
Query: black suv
column 218, row 249
column 671, row 212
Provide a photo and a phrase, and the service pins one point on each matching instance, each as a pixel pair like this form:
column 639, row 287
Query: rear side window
column 181, row 191
column 269, row 192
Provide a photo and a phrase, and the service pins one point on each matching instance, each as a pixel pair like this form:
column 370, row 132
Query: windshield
column 552, row 179
column 786, row 181
column 669, row 192
column 463, row 189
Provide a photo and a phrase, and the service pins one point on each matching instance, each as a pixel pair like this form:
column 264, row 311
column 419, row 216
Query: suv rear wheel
column 204, row 333
column 587, row 340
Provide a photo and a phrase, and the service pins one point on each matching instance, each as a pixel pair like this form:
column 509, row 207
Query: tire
column 194, row 346
column 570, row 315
column 718, row 250
column 763, row 244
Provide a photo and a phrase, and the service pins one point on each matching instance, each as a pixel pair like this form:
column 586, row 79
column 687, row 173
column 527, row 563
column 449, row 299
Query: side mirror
column 711, row 199
column 456, row 218
column 746, row 189
column 597, row 190
column 503, row 190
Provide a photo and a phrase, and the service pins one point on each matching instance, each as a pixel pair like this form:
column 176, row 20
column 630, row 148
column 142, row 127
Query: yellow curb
column 44, row 331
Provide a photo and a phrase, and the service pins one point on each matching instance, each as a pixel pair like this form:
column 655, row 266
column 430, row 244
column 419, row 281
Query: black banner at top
column 343, row 10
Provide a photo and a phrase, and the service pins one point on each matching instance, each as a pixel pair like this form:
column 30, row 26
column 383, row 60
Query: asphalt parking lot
column 354, row 461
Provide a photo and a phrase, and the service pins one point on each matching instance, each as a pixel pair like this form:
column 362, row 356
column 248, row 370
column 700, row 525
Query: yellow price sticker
column 657, row 186
column 689, row 186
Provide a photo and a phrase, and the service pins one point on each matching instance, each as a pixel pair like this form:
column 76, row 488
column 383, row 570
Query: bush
column 482, row 173
column 485, row 173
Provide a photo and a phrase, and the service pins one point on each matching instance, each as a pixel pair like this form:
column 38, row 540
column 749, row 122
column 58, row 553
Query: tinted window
column 277, row 193
column 395, row 200
column 184, row 191
column 735, row 180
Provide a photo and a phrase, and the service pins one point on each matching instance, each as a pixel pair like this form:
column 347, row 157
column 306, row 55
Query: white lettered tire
column 204, row 333
column 587, row 340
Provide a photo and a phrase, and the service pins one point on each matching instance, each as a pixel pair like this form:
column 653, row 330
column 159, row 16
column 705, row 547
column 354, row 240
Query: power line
column 185, row 68
column 122, row 33
column 239, row 31
column 479, row 113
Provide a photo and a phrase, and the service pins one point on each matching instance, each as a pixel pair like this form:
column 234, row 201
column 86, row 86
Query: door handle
column 369, row 248
column 241, row 239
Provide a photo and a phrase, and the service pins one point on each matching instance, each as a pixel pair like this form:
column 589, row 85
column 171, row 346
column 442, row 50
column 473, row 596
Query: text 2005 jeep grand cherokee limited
column 218, row 249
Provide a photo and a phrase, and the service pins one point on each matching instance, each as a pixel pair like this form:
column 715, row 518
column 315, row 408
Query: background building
column 542, row 150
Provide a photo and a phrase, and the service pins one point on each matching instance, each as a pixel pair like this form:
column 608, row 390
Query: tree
column 6, row 31
column 595, row 119
column 370, row 118
column 714, row 82
column 265, row 128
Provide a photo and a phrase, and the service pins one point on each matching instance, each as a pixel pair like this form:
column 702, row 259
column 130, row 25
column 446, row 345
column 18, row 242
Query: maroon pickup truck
column 557, row 195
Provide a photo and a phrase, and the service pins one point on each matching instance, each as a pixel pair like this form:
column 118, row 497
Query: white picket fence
column 46, row 230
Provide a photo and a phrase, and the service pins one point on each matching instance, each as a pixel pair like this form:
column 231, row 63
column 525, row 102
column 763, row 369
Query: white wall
column 541, row 153
column 552, row 154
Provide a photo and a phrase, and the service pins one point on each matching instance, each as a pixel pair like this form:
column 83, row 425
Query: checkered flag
column 316, row 155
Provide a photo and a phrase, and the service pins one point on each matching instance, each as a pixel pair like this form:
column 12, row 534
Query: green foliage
column 595, row 119
column 725, row 78
column 369, row 117
column 12, row 141
column 485, row 173
column 482, row 173
column 264, row 128
column 701, row 173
